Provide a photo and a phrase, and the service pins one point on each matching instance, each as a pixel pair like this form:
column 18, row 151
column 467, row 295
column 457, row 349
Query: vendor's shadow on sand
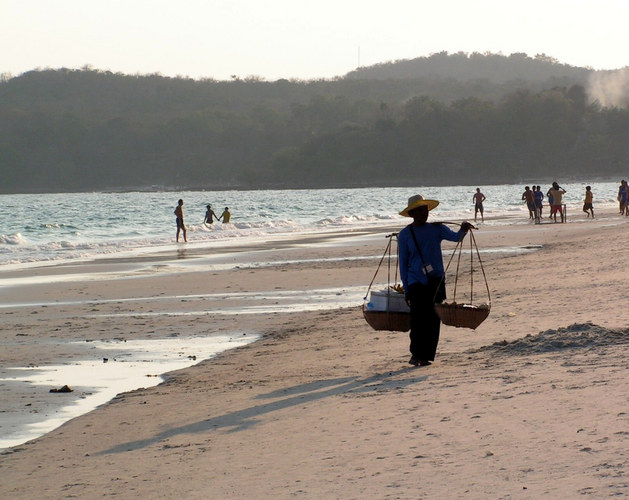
column 297, row 395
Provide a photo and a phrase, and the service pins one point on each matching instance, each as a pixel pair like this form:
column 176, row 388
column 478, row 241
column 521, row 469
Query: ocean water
column 64, row 226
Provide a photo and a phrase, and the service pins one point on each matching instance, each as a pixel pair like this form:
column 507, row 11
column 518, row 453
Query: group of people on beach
column 209, row 218
column 534, row 199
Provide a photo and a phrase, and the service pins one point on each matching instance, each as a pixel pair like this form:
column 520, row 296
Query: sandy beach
column 532, row 404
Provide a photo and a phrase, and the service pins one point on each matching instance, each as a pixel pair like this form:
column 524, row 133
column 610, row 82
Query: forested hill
column 454, row 121
column 467, row 67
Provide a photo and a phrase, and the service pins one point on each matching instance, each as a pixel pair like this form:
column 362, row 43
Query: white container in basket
column 387, row 301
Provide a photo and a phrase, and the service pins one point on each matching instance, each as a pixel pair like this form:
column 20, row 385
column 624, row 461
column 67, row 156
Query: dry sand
column 534, row 403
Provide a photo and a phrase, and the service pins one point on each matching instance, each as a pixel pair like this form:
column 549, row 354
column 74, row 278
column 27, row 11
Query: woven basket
column 462, row 315
column 388, row 320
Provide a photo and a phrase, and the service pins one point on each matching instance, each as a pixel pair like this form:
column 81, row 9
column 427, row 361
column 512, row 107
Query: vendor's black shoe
column 413, row 361
column 424, row 362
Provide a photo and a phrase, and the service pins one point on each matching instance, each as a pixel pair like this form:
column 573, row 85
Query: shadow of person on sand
column 297, row 395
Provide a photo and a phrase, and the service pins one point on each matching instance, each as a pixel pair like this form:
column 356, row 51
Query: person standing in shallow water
column 479, row 198
column 181, row 227
column 421, row 270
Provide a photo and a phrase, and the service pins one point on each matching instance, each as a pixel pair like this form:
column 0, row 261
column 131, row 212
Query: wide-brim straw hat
column 418, row 201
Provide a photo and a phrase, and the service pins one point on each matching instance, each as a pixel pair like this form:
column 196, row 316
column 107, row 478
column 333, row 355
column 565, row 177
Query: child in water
column 225, row 215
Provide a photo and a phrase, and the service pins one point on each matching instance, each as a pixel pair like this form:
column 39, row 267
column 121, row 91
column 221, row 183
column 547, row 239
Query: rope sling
column 388, row 318
column 465, row 315
column 462, row 315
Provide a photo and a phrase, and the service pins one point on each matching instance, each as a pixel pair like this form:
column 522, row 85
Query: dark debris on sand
column 65, row 388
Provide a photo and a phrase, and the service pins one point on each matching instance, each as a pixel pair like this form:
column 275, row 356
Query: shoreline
column 216, row 250
column 146, row 256
column 87, row 232
column 98, row 371
column 322, row 396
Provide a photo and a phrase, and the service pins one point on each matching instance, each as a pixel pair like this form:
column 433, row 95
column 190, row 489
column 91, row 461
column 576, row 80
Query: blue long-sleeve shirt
column 429, row 237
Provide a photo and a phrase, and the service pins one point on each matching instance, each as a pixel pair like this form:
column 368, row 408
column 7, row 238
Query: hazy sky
column 300, row 38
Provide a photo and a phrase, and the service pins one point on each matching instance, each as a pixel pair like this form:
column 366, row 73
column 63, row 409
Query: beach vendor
column 421, row 270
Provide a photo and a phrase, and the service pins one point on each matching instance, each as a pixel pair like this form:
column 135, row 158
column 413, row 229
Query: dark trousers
column 425, row 324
